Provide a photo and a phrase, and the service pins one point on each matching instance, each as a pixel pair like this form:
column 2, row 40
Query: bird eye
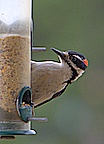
column 74, row 59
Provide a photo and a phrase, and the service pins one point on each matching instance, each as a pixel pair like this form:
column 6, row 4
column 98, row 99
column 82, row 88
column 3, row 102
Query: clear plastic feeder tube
column 15, row 35
column 15, row 17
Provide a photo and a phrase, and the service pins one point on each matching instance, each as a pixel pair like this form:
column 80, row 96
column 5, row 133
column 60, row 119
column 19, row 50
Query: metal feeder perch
column 16, row 107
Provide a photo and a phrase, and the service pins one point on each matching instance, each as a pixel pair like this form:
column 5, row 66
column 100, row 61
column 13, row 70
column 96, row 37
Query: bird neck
column 59, row 69
column 63, row 68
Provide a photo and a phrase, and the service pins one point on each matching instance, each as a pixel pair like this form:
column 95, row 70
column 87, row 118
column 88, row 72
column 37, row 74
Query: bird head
column 75, row 60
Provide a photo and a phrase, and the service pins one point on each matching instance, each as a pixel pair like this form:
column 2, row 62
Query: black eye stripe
column 78, row 62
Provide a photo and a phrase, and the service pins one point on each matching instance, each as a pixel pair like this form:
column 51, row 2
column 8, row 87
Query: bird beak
column 61, row 54
column 85, row 62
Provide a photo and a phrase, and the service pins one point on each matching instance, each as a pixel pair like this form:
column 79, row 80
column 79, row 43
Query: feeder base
column 15, row 128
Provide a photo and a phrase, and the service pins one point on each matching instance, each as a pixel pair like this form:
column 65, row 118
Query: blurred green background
column 77, row 117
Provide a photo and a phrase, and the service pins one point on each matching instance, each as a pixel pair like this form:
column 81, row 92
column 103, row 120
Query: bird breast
column 47, row 79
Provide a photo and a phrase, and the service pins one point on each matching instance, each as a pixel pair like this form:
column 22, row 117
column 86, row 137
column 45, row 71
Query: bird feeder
column 16, row 107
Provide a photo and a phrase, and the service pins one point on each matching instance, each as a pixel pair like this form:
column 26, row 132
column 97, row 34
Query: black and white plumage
column 50, row 79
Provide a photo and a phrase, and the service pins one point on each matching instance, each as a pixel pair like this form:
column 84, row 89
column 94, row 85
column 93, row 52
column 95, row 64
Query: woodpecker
column 50, row 79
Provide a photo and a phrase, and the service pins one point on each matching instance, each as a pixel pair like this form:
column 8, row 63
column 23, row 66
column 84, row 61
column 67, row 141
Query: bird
column 49, row 79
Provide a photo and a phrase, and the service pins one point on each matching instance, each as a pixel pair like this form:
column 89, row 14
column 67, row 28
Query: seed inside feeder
column 14, row 69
